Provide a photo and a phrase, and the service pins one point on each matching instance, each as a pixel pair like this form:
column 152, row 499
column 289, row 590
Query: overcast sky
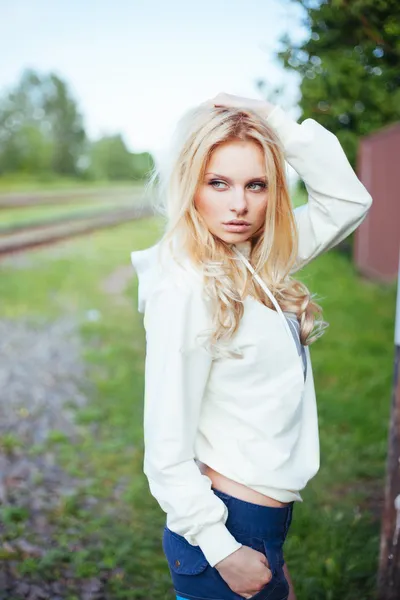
column 135, row 65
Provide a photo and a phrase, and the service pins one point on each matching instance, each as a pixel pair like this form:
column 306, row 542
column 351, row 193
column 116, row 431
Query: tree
column 349, row 66
column 66, row 124
column 41, row 129
column 110, row 158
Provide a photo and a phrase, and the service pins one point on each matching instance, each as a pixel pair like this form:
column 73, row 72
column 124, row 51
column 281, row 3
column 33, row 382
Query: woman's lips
column 236, row 227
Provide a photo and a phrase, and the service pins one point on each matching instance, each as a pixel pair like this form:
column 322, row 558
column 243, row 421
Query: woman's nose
column 238, row 201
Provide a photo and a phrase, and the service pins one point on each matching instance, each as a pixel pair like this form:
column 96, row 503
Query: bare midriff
column 238, row 490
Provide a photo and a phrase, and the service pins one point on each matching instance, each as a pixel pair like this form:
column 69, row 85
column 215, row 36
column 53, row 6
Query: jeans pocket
column 192, row 576
column 182, row 557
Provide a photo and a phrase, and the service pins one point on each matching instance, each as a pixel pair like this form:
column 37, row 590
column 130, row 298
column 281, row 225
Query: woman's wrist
column 216, row 542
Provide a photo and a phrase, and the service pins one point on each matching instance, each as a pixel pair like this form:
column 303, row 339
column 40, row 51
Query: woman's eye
column 261, row 184
column 214, row 181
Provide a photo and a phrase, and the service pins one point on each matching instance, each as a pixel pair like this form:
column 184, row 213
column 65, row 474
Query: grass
column 32, row 183
column 332, row 547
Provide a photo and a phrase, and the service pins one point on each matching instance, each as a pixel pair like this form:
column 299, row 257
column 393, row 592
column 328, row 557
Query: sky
column 134, row 66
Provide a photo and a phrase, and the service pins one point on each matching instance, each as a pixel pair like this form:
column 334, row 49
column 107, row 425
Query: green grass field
column 332, row 547
column 30, row 183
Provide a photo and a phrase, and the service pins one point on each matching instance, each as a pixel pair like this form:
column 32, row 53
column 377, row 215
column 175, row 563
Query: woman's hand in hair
column 263, row 107
column 246, row 571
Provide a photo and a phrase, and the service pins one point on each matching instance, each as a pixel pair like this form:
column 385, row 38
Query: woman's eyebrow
column 260, row 178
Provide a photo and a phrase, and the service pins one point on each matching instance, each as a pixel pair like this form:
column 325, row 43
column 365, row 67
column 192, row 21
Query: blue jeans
column 263, row 528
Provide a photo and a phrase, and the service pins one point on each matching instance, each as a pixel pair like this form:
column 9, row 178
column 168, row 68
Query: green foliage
column 42, row 133
column 348, row 65
column 41, row 128
column 9, row 443
column 13, row 514
column 109, row 157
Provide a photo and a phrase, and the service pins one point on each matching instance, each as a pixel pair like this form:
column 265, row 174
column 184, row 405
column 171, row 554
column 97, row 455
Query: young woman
column 230, row 416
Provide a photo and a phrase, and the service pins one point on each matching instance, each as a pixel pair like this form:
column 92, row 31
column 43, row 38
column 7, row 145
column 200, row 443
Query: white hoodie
column 252, row 418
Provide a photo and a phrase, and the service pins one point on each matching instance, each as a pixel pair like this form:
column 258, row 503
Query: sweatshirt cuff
column 284, row 125
column 216, row 542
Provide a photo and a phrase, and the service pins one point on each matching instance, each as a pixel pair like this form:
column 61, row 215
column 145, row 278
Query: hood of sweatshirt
column 148, row 270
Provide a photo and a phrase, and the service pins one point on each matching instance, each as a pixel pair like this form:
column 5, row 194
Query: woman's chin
column 230, row 237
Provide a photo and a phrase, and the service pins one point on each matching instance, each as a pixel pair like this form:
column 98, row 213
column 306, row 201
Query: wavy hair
column 273, row 249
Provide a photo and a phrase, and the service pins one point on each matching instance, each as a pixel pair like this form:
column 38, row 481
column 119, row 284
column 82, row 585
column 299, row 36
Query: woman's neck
column 244, row 247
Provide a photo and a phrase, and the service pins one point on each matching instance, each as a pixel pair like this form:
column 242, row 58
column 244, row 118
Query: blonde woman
column 230, row 415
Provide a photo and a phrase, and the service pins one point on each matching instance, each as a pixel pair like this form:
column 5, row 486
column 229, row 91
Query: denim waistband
column 256, row 519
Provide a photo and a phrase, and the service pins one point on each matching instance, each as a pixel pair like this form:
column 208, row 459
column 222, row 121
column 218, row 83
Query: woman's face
column 234, row 189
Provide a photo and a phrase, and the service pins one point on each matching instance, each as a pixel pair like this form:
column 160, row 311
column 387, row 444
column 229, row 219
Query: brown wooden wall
column 377, row 240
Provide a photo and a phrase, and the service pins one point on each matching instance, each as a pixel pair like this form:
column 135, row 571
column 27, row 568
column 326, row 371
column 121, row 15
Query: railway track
column 60, row 229
column 40, row 223
column 58, row 198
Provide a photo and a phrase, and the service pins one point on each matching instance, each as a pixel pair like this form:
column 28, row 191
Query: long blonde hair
column 227, row 281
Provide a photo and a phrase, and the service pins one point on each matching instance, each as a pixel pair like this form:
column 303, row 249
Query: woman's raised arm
column 337, row 200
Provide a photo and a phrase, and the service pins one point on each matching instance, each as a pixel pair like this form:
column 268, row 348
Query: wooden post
column 389, row 559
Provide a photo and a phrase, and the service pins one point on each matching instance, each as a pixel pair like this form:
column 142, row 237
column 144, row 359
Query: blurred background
column 89, row 95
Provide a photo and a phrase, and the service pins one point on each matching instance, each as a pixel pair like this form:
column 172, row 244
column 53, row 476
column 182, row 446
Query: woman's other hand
column 263, row 107
column 246, row 571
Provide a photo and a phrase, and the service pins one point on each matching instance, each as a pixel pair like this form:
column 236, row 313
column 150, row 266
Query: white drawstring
column 265, row 288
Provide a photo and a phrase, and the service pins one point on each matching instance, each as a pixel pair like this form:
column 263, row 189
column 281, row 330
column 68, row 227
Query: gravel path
column 42, row 379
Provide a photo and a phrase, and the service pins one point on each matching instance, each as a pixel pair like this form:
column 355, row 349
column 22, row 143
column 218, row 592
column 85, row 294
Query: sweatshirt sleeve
column 176, row 373
column 337, row 200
